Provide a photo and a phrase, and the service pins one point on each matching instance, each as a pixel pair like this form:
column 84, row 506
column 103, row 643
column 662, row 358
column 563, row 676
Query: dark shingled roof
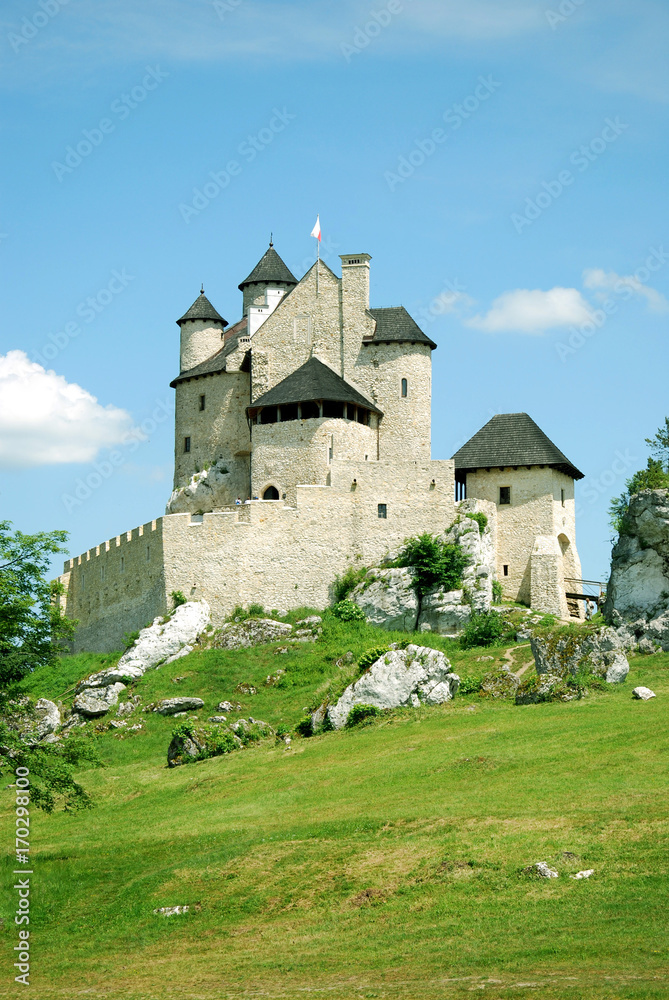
column 270, row 269
column 511, row 439
column 202, row 309
column 312, row 381
column 395, row 324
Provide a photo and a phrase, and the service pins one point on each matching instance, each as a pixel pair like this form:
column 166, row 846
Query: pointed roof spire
column 270, row 270
column 203, row 309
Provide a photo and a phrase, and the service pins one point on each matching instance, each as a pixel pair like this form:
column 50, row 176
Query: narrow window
column 562, row 497
column 186, row 445
column 102, row 573
column 83, row 581
column 383, row 510
column 506, row 571
column 123, row 564
column 203, row 402
column 405, row 388
column 505, row 494
column 148, row 553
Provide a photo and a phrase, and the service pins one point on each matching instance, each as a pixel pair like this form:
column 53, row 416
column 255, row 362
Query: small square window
column 505, row 494
column 383, row 510
column 186, row 445
column 506, row 571
column 203, row 402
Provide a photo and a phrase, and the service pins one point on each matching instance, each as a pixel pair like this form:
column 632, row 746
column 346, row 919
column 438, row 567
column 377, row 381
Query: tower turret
column 201, row 332
column 269, row 272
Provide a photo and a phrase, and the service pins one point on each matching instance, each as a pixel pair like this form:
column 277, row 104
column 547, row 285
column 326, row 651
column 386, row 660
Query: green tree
column 659, row 444
column 653, row 477
column 32, row 624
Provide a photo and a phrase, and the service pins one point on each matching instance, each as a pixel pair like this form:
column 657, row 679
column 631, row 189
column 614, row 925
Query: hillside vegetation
column 386, row 860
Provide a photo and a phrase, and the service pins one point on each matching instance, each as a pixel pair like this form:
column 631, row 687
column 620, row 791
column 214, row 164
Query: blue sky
column 503, row 162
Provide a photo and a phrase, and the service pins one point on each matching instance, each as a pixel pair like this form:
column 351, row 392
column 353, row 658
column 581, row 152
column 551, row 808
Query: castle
column 302, row 447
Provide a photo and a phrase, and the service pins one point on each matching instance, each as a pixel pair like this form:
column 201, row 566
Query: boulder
column 164, row 639
column 252, row 632
column 501, row 683
column 205, row 491
column 170, row 706
column 598, row 651
column 542, row 869
column 394, row 678
column 97, row 701
column 638, row 589
column 643, row 693
column 618, row 669
column 388, row 599
column 48, row 718
column 106, row 677
column 445, row 611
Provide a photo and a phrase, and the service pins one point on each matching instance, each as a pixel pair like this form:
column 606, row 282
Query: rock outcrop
column 97, row 701
column 400, row 677
column 638, row 590
column 601, row 652
column 388, row 597
column 166, row 639
column 250, row 632
column 206, row 490
column 171, row 706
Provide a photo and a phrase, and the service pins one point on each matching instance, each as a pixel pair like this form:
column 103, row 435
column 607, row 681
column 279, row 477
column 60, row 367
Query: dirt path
column 510, row 659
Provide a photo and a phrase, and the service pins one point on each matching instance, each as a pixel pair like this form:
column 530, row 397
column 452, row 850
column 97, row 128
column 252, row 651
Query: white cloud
column 45, row 420
column 597, row 279
column 533, row 311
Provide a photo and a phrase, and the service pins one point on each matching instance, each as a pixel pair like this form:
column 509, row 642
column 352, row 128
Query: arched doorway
column 271, row 493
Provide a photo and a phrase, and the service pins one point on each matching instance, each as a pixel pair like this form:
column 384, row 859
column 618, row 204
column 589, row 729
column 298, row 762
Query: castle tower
column 269, row 273
column 201, row 332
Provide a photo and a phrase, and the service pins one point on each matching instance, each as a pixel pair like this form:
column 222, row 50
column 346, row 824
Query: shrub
column 480, row 518
column 433, row 563
column 470, row 685
column 484, row 629
column 130, row 638
column 360, row 713
column 305, row 727
column 213, row 742
column 547, row 621
column 178, row 598
column 347, row 611
column 256, row 611
column 371, row 656
column 343, row 585
column 497, row 592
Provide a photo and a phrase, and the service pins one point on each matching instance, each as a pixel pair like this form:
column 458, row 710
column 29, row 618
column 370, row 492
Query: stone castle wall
column 266, row 551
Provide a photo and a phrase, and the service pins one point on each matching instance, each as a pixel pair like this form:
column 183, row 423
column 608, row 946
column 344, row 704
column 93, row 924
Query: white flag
column 316, row 231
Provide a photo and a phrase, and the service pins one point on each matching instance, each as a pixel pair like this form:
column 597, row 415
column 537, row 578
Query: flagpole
column 318, row 262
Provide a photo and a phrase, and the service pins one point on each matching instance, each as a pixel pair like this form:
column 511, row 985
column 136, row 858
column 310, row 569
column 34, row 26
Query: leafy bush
column 371, row 656
column 547, row 621
column 130, row 638
column 256, row 611
column 343, row 585
column 470, row 685
column 347, row 611
column 51, row 767
column 305, row 727
column 178, row 598
column 360, row 713
column 497, row 592
column 484, row 629
column 434, row 563
column 213, row 741
column 480, row 518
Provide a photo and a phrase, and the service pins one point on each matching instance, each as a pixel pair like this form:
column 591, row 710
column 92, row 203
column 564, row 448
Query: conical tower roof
column 270, row 269
column 508, row 440
column 203, row 309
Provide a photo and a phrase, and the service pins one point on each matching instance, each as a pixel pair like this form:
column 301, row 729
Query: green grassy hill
column 382, row 861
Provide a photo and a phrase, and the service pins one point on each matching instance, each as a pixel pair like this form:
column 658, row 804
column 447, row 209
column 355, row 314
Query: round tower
column 269, row 272
column 201, row 332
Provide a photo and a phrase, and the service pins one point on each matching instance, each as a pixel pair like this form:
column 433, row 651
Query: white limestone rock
column 165, row 638
column 584, row 874
column 206, row 490
column 643, row 693
column 479, row 545
column 542, row 869
column 394, row 678
column 172, row 706
column 388, row 599
column 639, row 584
column 97, row 701
column 48, row 718
column 171, row 911
column 445, row 612
column 252, row 632
column 618, row 670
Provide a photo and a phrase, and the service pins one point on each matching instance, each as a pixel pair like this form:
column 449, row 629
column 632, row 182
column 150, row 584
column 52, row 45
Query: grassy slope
column 377, row 862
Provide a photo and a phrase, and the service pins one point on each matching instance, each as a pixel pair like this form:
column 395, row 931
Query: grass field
column 384, row 861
